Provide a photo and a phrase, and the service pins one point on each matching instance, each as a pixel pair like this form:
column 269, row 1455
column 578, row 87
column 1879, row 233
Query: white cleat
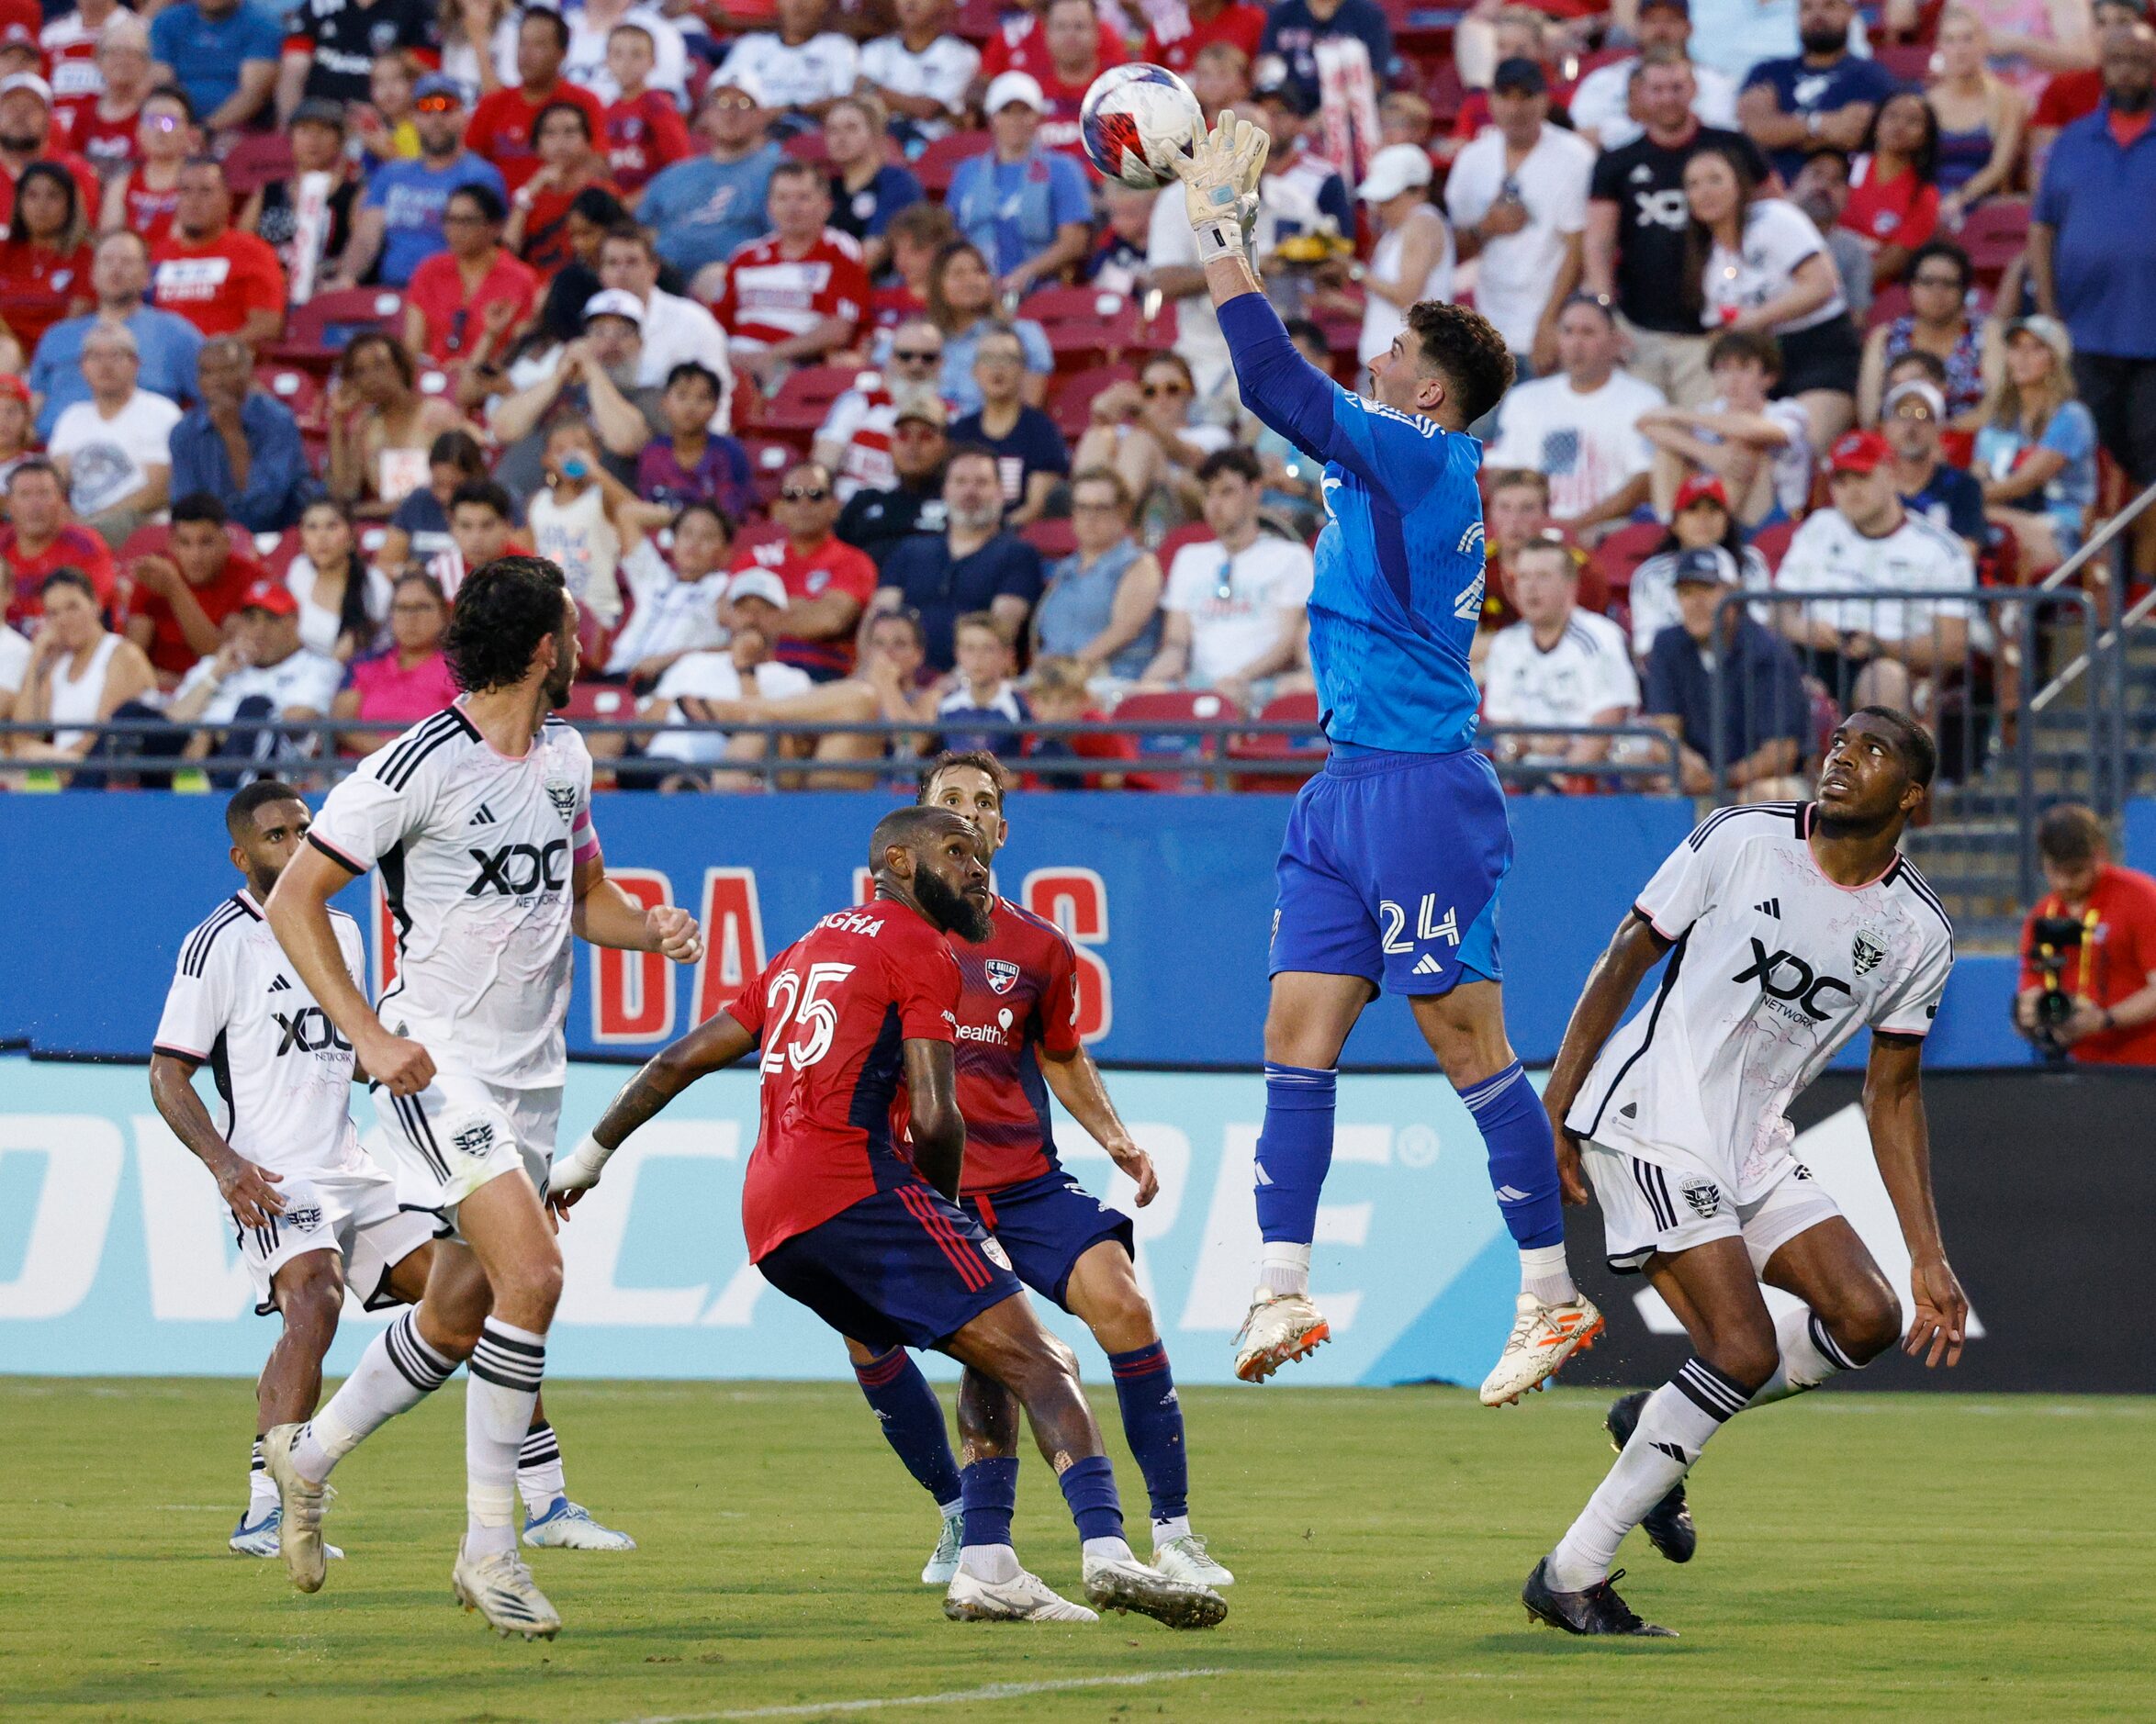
column 1186, row 1559
column 1280, row 1329
column 568, row 1526
column 301, row 1503
column 1543, row 1338
column 261, row 1539
column 942, row 1566
column 500, row 1588
column 1026, row 1599
column 1117, row 1584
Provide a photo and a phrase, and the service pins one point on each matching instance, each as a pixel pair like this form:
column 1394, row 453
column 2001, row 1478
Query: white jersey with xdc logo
column 1775, row 967
column 282, row 1069
column 476, row 851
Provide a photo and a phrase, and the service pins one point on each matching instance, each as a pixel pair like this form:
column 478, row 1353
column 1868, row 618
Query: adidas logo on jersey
column 482, row 816
column 1770, row 907
column 279, row 985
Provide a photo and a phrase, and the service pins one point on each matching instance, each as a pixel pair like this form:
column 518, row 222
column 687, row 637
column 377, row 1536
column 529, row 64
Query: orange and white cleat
column 1280, row 1329
column 1543, row 1338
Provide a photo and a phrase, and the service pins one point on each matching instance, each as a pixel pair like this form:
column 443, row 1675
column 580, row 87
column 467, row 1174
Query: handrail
column 2098, row 540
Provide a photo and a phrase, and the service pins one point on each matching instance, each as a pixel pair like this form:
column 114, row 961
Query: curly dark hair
column 1465, row 346
column 503, row 612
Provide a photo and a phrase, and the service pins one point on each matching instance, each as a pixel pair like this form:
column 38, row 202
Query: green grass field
column 1902, row 1556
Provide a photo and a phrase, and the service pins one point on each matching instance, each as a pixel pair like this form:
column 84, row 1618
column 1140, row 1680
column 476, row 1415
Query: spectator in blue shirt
column 1913, row 417
column 1031, row 457
column 399, row 219
column 1295, row 28
column 223, row 53
column 1026, row 207
column 1823, row 99
column 2035, row 451
column 241, row 445
column 707, row 207
column 1765, row 715
column 2092, row 255
column 962, row 304
column 974, row 565
column 866, row 190
column 167, row 342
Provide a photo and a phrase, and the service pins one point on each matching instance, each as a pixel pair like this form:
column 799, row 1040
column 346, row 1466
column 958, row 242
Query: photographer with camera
column 2088, row 950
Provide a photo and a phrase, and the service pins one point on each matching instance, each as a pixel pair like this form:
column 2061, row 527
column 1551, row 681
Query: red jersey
column 2069, row 96
column 770, row 298
column 168, row 649
column 454, row 323
column 151, row 212
column 641, row 136
column 74, row 547
column 831, row 1014
column 832, row 565
column 107, row 145
column 216, row 282
column 71, row 59
column 500, row 128
column 1903, row 211
column 1020, row 44
column 1059, row 126
column 889, row 306
column 2117, row 957
column 1236, row 24
column 1020, row 991
column 88, row 190
column 39, row 287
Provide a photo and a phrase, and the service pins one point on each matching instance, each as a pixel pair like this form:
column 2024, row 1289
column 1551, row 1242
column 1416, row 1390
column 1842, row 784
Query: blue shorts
column 1390, row 869
column 902, row 1267
column 1046, row 1224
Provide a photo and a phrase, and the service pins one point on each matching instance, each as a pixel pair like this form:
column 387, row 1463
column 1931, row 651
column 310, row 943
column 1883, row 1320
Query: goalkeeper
column 1389, row 874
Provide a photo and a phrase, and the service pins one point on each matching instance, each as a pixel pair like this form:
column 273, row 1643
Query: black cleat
column 1598, row 1610
column 1669, row 1525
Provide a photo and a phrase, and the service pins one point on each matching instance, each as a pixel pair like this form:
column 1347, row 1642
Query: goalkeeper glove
column 1220, row 185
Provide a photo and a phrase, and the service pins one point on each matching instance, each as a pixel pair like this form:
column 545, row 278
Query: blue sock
column 990, row 1490
column 1152, row 1422
column 1522, row 1156
column 911, row 1418
column 1089, row 1486
column 1294, row 1150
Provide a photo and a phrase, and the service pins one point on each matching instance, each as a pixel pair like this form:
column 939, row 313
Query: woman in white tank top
column 80, row 672
column 1413, row 257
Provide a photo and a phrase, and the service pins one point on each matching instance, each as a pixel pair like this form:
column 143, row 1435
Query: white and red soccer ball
column 1134, row 122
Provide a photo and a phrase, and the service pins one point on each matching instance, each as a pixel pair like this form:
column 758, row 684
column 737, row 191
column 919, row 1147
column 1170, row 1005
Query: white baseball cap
column 38, row 88
column 1014, row 86
column 757, row 583
column 614, row 302
column 1395, row 169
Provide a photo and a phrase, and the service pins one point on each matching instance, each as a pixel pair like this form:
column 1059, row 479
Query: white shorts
column 1650, row 1206
column 354, row 1215
column 460, row 1132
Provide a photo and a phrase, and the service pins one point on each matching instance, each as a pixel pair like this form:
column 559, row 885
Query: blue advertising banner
column 1168, row 899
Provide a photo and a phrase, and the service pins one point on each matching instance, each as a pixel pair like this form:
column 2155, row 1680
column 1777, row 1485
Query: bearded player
column 1389, row 872
column 850, row 1198
column 1789, row 927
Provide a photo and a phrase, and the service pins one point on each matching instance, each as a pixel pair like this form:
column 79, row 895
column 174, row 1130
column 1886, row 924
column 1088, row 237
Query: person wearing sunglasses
column 463, row 301
column 828, row 582
column 1938, row 323
column 1147, row 431
column 877, row 521
column 1943, row 494
column 399, row 224
column 706, row 208
column 858, row 436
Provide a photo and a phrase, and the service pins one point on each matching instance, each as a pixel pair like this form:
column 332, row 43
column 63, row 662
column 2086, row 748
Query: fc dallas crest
column 1003, row 975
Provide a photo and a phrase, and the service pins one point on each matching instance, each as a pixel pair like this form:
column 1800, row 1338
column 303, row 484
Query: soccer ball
column 1134, row 121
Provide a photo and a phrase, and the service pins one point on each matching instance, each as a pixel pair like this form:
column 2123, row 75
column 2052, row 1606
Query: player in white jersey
column 313, row 1213
column 1787, row 927
column 480, row 820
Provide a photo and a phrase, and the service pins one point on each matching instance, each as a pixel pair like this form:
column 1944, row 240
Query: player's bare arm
column 1074, row 1079
column 245, row 1187
column 1900, row 1144
column 298, row 913
column 606, row 916
column 711, row 1045
column 1634, row 949
column 938, row 1128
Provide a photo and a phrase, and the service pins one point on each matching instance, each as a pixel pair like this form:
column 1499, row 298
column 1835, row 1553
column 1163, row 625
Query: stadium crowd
column 804, row 338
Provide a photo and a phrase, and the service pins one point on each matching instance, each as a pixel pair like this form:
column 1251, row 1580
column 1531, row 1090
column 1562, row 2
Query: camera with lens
column 2053, row 940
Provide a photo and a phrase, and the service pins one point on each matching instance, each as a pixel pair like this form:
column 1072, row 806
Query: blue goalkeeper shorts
column 1390, row 872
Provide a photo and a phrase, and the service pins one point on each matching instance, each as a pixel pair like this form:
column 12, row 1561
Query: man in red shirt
column 1018, row 1041
column 828, row 582
column 40, row 535
column 1072, row 30
column 501, row 127
column 800, row 292
column 28, row 135
column 1020, row 44
column 1184, row 32
column 850, row 1198
column 222, row 281
column 2110, row 976
column 179, row 601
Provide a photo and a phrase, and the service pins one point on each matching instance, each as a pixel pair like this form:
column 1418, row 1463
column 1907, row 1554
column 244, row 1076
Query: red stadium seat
column 1082, row 322
column 1772, row 542
column 933, row 167
column 278, row 554
column 1889, row 301
column 1174, row 706
column 256, row 160
column 1192, row 533
column 607, row 702
column 1614, row 559
column 804, row 401
column 1051, row 538
column 977, row 20
column 1994, row 234
column 1306, row 751
column 370, row 308
column 299, row 389
column 768, row 457
column 1070, row 398
column 807, row 146
column 1909, row 62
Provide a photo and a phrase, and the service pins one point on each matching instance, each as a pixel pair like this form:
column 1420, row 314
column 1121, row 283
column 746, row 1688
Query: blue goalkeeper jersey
column 1399, row 565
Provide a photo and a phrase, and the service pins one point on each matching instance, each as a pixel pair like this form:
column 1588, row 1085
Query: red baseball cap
column 14, row 388
column 1860, row 451
column 1700, row 488
column 274, row 597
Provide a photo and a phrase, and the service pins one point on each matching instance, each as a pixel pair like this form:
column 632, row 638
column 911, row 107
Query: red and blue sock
column 1152, row 1422
column 913, row 1425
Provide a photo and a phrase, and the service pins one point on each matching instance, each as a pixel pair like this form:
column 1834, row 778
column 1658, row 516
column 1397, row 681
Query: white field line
column 993, row 1691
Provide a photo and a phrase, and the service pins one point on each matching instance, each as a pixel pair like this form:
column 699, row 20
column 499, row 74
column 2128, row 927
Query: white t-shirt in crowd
column 1599, row 102
column 1234, row 602
column 15, row 661
column 712, row 677
column 1789, row 466
column 1515, row 272
column 940, row 70
column 1779, row 236
column 1170, row 244
column 1587, row 443
column 667, row 614
column 821, row 70
column 108, row 458
column 580, row 536
column 1828, row 555
column 677, row 331
column 585, row 64
column 303, row 681
column 1587, row 672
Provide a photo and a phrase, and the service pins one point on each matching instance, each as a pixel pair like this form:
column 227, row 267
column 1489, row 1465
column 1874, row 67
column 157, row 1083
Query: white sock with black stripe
column 1809, row 1357
column 1673, row 1428
column 539, row 1472
column 500, row 1394
column 398, row 1371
